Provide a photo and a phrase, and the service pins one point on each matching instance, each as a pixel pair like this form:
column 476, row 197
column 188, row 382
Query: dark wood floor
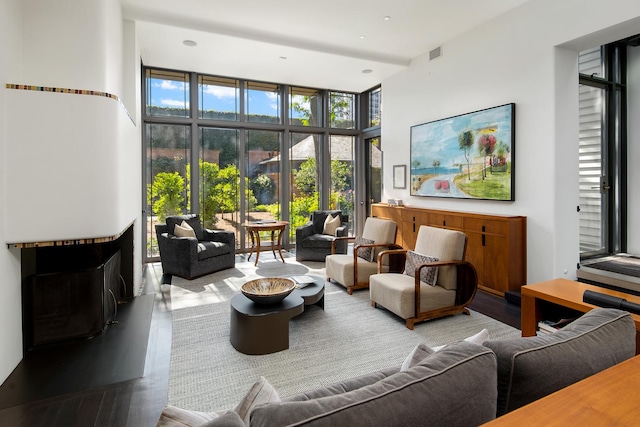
column 139, row 401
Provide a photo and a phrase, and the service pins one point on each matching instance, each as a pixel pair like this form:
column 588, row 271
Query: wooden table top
column 605, row 399
column 569, row 293
column 265, row 225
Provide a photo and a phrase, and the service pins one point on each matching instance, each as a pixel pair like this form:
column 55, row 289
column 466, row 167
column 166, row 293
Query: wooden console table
column 496, row 244
column 273, row 227
column 565, row 293
column 605, row 399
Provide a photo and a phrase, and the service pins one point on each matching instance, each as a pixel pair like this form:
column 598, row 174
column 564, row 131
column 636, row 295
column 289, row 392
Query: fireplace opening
column 73, row 291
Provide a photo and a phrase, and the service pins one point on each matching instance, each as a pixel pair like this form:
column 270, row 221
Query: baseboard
column 513, row 297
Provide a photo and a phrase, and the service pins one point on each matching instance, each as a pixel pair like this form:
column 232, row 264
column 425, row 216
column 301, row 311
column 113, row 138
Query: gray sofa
column 463, row 384
column 188, row 257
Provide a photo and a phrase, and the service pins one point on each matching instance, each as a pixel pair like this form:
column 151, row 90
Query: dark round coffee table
column 312, row 294
column 264, row 329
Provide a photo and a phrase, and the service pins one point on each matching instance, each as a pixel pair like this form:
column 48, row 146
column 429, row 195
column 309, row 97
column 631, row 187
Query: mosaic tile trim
column 70, row 91
column 67, row 242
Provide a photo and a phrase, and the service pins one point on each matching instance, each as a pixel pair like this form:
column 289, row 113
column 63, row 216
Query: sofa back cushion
column 454, row 387
column 533, row 367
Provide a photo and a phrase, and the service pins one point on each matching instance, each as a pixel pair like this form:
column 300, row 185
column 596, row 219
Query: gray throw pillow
column 364, row 253
column 428, row 275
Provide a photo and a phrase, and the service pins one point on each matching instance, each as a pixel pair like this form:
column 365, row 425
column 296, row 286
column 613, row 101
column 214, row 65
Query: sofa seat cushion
column 398, row 292
column 455, row 386
column 317, row 241
column 208, row 250
column 533, row 367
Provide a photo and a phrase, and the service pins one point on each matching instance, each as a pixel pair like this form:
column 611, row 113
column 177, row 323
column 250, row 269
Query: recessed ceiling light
column 362, row 36
column 367, row 71
column 387, row 18
column 189, row 43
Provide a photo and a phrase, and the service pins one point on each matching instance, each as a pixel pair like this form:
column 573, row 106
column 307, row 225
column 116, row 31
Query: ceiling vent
column 435, row 53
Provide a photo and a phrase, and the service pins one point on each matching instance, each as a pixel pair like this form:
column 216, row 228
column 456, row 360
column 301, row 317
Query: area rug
column 346, row 339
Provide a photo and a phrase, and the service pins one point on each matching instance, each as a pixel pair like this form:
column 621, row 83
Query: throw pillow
column 261, row 392
column 172, row 416
column 364, row 253
column 331, row 224
column 428, row 275
column 418, row 353
column 184, row 230
column 478, row 338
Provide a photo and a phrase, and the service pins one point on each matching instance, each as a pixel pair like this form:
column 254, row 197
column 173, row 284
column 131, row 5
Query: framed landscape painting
column 469, row 156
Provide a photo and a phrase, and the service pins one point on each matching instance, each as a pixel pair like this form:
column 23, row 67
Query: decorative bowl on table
column 268, row 290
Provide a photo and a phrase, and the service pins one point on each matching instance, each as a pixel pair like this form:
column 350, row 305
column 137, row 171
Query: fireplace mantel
column 90, row 241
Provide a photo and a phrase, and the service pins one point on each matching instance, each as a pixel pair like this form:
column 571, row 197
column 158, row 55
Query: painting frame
column 468, row 156
column 400, row 176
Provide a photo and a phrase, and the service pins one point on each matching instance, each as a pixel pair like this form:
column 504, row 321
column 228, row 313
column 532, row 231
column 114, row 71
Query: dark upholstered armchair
column 312, row 244
column 191, row 257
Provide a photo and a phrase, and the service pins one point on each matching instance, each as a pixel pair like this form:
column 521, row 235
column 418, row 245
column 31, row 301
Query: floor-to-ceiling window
column 602, row 150
column 370, row 190
column 234, row 150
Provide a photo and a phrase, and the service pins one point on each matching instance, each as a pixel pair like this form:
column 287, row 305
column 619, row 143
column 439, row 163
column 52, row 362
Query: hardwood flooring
column 135, row 402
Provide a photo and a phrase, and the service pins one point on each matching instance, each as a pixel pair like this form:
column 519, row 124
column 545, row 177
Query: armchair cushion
column 428, row 275
column 212, row 249
column 447, row 245
column 331, row 224
column 396, row 293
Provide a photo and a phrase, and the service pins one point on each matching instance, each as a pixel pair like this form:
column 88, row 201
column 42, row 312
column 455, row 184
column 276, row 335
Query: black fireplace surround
column 73, row 291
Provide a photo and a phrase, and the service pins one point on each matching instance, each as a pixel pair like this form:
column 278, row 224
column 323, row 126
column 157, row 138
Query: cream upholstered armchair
column 436, row 281
column 353, row 270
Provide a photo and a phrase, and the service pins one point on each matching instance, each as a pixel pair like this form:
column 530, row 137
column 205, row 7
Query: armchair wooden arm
column 467, row 285
column 337, row 239
column 355, row 259
column 398, row 254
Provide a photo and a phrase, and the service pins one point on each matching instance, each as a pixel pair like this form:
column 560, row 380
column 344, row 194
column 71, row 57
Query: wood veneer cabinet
column 496, row 244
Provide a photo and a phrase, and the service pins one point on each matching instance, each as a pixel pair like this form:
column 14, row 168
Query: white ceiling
column 322, row 43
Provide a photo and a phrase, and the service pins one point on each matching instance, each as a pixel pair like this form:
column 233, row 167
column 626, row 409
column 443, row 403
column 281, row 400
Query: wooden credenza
column 496, row 244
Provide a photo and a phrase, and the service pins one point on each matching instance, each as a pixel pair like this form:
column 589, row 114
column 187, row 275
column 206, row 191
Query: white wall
column 633, row 155
column 82, row 150
column 527, row 56
column 10, row 303
column 74, row 160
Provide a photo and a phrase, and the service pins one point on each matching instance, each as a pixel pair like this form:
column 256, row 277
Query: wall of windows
column 262, row 150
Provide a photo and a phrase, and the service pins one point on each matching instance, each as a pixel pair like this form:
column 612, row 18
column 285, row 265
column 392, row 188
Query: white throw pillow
column 418, row 354
column 331, row 224
column 478, row 338
column 172, row 416
column 184, row 230
column 261, row 392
